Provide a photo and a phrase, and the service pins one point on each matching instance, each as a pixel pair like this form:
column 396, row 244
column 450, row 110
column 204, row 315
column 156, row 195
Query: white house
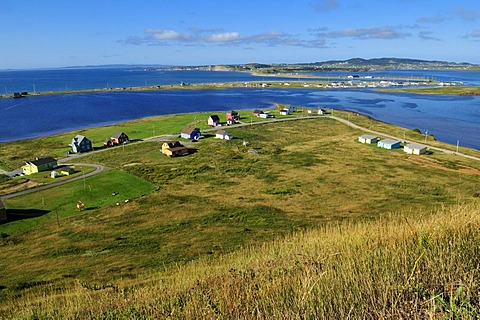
column 367, row 138
column 284, row 112
column 222, row 134
column 413, row 148
column 292, row 109
column 264, row 115
column 322, row 111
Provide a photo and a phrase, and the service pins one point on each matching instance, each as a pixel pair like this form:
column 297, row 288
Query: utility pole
column 458, row 142
column 426, row 133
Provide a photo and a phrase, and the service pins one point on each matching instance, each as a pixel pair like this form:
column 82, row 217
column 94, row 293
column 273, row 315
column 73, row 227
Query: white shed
column 222, row 134
column 367, row 138
column 413, row 148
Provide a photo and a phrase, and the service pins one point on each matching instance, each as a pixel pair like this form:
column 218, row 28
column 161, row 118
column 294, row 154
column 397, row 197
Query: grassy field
column 15, row 154
column 298, row 176
column 397, row 267
column 450, row 90
column 55, row 204
column 8, row 186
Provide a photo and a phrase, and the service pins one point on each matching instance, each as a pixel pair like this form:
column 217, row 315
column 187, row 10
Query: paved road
column 98, row 169
column 353, row 125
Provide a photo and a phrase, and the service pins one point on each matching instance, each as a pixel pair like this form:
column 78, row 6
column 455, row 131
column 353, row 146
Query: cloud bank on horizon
column 210, row 32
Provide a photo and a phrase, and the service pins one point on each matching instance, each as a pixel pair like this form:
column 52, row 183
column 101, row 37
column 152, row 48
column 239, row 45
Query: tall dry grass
column 396, row 267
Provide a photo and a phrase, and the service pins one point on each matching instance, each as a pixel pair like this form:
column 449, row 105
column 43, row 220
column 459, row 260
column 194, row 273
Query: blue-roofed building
column 389, row 144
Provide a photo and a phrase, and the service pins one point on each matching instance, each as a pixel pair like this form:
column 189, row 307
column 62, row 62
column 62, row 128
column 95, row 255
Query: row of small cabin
column 411, row 148
column 175, row 148
column 46, row 164
column 83, row 144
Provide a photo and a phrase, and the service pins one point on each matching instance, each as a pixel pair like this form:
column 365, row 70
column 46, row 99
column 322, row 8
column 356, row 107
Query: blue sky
column 55, row 33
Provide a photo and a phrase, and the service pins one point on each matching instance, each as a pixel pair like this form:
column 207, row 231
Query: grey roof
column 389, row 141
column 415, row 146
column 368, row 136
column 189, row 130
column 79, row 138
column 117, row 134
column 215, row 117
column 43, row 161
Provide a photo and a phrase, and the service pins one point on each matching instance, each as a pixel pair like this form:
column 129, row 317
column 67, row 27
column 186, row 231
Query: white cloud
column 426, row 35
column 164, row 37
column 474, row 35
column 435, row 19
column 465, row 14
column 224, row 37
column 385, row 32
column 323, row 6
column 162, row 34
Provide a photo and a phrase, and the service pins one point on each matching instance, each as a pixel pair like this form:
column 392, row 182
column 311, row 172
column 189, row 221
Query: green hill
column 303, row 221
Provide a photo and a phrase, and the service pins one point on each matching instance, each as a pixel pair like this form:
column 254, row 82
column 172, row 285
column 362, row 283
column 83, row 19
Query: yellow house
column 174, row 148
column 38, row 165
column 66, row 171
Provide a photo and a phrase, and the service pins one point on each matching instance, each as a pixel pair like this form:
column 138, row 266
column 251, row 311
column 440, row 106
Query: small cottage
column 232, row 115
column 66, row 171
column 389, row 144
column 213, row 121
column 39, row 165
column 230, row 121
column 284, row 112
column 119, row 137
column 321, row 111
column 174, row 149
column 3, row 211
column 257, row 113
column 368, row 139
column 54, row 174
column 190, row 133
column 81, row 144
column 264, row 115
column 413, row 148
column 222, row 134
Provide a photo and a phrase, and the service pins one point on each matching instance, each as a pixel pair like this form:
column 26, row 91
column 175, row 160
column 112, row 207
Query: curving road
column 98, row 168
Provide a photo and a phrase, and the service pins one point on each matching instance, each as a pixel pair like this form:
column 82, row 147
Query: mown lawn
column 43, row 207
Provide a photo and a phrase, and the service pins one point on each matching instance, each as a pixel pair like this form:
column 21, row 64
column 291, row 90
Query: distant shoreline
column 323, row 82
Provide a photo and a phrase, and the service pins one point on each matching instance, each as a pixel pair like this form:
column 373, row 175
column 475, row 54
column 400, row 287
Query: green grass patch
column 95, row 192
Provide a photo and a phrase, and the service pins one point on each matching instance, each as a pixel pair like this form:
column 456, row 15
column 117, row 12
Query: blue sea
column 449, row 118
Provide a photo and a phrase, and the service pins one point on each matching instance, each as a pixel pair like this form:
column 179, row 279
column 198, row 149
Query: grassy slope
column 400, row 266
column 222, row 198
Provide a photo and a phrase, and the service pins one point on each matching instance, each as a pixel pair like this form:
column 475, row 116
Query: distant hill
column 355, row 64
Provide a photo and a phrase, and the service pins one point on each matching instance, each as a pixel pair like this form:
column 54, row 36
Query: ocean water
column 449, row 118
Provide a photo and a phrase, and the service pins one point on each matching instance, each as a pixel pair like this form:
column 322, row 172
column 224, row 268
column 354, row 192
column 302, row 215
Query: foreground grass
column 400, row 266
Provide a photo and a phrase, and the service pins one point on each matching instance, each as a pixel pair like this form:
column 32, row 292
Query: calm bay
column 449, row 118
